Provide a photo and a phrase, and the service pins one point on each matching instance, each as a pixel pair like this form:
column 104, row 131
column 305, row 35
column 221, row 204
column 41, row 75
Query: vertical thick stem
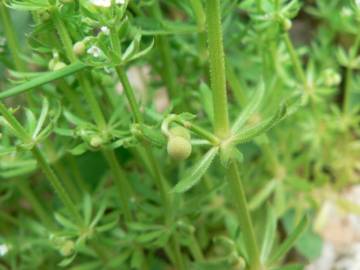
column 217, row 68
column 239, row 198
column 221, row 125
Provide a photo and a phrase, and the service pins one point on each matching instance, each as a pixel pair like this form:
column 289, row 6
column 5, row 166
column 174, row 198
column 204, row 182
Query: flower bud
column 287, row 24
column 67, row 248
column 79, row 48
column 179, row 148
column 96, row 141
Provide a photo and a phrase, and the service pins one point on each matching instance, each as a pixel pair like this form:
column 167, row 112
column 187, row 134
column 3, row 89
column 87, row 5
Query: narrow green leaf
column 262, row 195
column 289, row 242
column 42, row 118
column 67, row 261
column 252, row 132
column 196, row 172
column 249, row 109
column 269, row 235
column 43, row 79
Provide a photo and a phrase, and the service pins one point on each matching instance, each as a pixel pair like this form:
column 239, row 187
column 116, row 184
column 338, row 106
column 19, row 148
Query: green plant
column 223, row 170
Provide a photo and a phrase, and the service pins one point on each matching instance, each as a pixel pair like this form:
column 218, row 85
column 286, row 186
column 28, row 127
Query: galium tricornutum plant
column 138, row 134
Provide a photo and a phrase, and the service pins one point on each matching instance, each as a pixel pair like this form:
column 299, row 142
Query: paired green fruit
column 179, row 145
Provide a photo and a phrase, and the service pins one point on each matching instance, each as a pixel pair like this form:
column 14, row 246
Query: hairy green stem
column 217, row 68
column 239, row 197
column 221, row 124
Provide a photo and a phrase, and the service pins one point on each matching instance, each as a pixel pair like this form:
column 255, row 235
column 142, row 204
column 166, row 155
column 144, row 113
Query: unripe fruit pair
column 179, row 145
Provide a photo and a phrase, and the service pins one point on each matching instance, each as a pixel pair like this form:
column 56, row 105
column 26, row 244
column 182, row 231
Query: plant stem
column 200, row 131
column 296, row 61
column 129, row 94
column 77, row 174
column 66, row 180
column 218, row 84
column 11, row 38
column 159, row 178
column 239, row 197
column 168, row 67
column 179, row 262
column 217, row 68
column 35, row 204
column 124, row 190
column 84, row 83
column 119, row 177
column 195, row 249
column 201, row 23
column 56, row 184
column 54, row 181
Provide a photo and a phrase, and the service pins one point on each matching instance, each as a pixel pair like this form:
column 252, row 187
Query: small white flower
column 3, row 249
column 105, row 30
column 101, row 3
column 120, row 2
column 94, row 51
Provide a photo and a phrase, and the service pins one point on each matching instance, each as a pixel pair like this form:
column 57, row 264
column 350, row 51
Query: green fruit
column 79, row 48
column 179, row 148
column 180, row 131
